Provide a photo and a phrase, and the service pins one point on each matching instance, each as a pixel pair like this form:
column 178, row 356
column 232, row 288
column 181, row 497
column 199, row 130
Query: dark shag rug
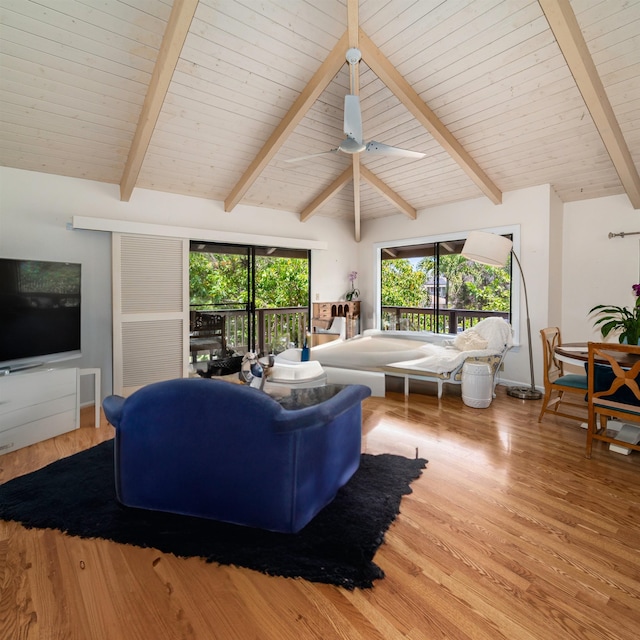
column 76, row 495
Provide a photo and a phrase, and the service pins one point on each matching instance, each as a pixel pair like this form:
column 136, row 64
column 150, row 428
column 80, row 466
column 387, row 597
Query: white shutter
column 150, row 310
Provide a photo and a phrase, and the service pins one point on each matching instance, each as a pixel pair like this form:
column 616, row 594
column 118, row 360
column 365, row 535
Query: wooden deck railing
column 280, row 328
column 447, row 321
column 276, row 329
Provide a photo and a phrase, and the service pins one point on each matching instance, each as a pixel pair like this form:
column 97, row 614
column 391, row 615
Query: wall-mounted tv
column 39, row 312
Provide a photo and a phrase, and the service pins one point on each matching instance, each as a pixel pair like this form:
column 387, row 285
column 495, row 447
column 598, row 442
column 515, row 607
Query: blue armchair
column 225, row 451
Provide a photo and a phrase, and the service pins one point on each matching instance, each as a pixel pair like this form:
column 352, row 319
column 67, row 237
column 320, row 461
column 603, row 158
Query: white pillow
column 470, row 340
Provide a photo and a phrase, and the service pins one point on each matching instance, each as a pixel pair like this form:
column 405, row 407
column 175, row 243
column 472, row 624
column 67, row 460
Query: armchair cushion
column 229, row 452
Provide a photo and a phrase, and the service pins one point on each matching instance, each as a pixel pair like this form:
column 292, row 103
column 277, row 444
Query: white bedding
column 377, row 351
column 366, row 352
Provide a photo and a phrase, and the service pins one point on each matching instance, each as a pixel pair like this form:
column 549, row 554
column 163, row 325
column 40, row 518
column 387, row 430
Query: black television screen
column 39, row 311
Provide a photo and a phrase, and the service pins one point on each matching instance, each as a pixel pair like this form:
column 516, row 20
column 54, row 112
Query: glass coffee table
column 292, row 398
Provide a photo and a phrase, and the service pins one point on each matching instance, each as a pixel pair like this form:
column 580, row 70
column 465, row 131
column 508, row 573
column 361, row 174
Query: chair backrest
column 207, row 324
column 613, row 372
column 553, row 368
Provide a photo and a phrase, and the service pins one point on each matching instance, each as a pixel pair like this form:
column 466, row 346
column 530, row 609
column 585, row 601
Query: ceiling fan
column 354, row 142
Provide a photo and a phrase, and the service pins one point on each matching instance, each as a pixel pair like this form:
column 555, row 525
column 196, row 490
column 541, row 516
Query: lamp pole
column 493, row 249
column 525, row 393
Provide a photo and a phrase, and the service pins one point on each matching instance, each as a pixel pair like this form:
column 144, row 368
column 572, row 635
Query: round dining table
column 577, row 353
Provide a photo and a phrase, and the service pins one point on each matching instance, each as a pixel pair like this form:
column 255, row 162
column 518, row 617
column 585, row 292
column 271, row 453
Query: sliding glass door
column 260, row 295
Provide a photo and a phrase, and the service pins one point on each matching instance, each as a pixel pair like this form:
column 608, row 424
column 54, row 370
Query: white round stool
column 477, row 384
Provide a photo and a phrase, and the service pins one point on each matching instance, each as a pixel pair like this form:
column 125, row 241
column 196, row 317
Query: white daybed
column 439, row 358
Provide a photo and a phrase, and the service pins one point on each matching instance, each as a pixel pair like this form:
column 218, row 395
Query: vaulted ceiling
column 211, row 98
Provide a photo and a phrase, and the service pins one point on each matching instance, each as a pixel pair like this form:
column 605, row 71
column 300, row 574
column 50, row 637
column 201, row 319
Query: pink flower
column 636, row 289
column 354, row 274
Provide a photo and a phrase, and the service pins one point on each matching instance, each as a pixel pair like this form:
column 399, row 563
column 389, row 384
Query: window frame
column 516, row 278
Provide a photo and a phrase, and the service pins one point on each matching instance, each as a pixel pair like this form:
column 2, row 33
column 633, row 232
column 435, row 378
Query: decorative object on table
column 254, row 371
column 304, row 357
column 620, row 318
column 492, row 249
column 337, row 547
column 353, row 293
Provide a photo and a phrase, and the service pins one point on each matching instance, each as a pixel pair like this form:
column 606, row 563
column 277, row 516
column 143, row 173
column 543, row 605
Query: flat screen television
column 39, row 312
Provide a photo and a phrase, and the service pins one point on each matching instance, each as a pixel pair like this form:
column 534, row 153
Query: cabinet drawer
column 37, row 412
column 322, row 310
column 36, row 405
column 21, row 390
column 24, row 435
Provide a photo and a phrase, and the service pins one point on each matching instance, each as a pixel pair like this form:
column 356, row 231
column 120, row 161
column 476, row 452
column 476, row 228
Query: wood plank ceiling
column 203, row 98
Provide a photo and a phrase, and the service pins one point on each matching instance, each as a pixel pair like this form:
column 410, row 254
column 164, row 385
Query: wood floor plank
column 509, row 534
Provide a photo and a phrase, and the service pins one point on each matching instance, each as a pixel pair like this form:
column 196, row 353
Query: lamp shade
column 487, row 248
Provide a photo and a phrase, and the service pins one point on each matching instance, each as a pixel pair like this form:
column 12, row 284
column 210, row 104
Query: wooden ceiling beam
column 172, row 42
column 327, row 194
column 321, row 78
column 389, row 194
column 568, row 35
column 353, row 23
column 379, row 64
column 353, row 26
column 355, row 165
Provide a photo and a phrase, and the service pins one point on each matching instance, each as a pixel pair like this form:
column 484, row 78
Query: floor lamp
column 492, row 249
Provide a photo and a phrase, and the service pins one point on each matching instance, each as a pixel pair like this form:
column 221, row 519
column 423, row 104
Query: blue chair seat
column 573, row 380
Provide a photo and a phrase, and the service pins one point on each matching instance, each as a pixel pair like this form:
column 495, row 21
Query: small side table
column 96, row 390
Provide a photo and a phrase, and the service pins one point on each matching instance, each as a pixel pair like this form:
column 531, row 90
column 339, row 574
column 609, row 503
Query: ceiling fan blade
column 311, row 155
column 386, row 150
column 353, row 118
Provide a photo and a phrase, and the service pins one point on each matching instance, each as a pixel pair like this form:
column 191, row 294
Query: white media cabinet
column 40, row 404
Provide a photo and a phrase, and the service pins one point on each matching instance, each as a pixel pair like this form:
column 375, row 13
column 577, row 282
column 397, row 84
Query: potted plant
column 626, row 320
column 353, row 293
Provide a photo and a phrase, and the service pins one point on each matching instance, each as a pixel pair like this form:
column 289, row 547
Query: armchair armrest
column 112, row 406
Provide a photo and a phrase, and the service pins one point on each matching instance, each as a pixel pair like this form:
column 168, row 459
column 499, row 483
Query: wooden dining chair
column 613, row 391
column 557, row 383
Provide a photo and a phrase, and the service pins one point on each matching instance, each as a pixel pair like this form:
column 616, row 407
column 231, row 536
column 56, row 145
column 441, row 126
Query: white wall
column 35, row 209
column 556, row 243
column 596, row 269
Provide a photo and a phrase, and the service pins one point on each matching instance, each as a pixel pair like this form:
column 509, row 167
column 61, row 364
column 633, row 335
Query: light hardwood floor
column 510, row 533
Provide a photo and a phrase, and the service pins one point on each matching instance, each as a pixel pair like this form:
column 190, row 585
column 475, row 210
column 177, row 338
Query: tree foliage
column 402, row 285
column 475, row 286
column 470, row 285
column 221, row 278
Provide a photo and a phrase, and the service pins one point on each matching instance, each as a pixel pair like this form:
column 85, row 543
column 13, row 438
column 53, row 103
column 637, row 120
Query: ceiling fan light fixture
column 351, row 146
column 353, row 56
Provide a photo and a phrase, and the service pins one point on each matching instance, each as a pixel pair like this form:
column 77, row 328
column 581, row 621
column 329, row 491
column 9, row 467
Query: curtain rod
column 622, row 234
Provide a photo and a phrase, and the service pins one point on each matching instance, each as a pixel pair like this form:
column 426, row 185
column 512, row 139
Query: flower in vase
column 353, row 293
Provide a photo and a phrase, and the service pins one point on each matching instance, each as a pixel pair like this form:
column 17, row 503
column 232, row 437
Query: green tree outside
column 470, row 285
column 221, row 278
column 402, row 285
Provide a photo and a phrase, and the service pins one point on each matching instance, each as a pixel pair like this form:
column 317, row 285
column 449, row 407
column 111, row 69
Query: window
column 427, row 285
column 260, row 294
